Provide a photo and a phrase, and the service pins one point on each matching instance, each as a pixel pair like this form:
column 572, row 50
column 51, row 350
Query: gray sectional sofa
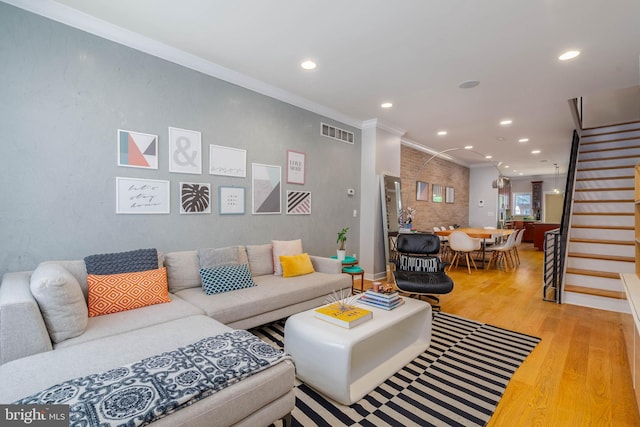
column 34, row 357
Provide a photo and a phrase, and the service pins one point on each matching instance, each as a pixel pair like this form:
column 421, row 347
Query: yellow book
column 347, row 318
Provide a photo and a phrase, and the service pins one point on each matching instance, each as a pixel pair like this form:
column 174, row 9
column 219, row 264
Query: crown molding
column 370, row 124
column 376, row 123
column 90, row 24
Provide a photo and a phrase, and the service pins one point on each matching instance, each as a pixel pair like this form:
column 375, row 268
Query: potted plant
column 342, row 240
column 405, row 217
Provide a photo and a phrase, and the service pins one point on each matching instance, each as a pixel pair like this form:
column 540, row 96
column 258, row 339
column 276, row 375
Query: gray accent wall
column 63, row 95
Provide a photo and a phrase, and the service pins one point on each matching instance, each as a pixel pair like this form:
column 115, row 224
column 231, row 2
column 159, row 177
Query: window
column 522, row 204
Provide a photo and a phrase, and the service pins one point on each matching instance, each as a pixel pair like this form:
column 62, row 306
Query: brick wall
column 437, row 171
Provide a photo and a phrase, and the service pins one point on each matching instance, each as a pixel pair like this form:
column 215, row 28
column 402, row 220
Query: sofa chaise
column 36, row 339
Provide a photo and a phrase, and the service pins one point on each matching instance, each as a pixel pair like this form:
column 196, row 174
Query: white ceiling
column 413, row 53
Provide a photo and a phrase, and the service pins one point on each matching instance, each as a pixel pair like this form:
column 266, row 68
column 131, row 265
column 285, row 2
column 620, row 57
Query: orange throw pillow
column 120, row 292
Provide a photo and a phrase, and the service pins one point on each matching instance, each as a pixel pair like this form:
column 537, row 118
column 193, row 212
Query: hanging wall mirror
column 391, row 204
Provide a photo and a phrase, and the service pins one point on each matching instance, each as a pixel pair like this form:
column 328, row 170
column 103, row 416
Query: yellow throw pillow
column 120, row 292
column 296, row 265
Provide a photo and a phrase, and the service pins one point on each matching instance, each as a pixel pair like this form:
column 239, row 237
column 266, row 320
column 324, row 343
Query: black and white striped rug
column 457, row 381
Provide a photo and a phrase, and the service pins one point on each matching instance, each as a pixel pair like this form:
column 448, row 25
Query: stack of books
column 381, row 300
column 352, row 316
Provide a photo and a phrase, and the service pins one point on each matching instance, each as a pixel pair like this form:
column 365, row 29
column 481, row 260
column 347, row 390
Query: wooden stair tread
column 605, row 201
column 595, row 273
column 602, row 159
column 605, row 213
column 631, row 138
column 606, row 178
column 602, row 257
column 603, row 241
column 601, row 150
column 615, row 131
column 595, row 292
column 603, row 168
column 605, row 227
column 605, row 189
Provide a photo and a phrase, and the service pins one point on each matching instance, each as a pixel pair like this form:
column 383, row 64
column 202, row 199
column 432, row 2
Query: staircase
column 601, row 239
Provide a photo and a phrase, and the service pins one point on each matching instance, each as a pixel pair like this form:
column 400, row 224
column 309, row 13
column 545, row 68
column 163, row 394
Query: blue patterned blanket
column 144, row 391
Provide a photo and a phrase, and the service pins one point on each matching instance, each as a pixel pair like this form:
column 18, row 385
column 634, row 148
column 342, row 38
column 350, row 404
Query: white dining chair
column 493, row 240
column 517, row 243
column 504, row 252
column 460, row 245
column 444, row 243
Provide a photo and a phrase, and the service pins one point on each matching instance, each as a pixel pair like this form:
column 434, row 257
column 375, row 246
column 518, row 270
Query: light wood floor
column 578, row 374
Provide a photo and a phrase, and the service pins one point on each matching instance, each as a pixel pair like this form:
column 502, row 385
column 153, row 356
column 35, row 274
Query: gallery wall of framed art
column 112, row 113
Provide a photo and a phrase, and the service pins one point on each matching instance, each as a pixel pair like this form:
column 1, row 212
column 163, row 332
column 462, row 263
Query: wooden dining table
column 479, row 233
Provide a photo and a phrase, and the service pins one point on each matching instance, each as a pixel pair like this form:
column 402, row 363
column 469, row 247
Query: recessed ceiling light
column 521, row 173
column 523, row 140
column 535, row 152
column 386, row 105
column 308, row 65
column 468, row 147
column 506, row 122
column 442, row 132
column 468, row 84
column 500, row 138
column 488, row 157
column 570, row 54
column 506, row 167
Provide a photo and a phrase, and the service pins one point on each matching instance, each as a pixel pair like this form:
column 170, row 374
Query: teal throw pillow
column 225, row 278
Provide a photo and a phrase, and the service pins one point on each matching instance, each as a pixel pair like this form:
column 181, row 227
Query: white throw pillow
column 284, row 247
column 61, row 301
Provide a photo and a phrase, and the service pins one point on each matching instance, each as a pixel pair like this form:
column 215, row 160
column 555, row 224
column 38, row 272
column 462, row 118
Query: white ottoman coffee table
column 347, row 364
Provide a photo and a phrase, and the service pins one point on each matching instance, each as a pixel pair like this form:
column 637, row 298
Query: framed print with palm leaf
column 195, row 198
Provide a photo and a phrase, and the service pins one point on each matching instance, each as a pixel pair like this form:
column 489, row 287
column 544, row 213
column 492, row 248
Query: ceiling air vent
column 336, row 133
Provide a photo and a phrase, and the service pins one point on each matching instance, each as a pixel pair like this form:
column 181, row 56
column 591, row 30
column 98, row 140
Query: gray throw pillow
column 260, row 259
column 182, row 270
column 61, row 301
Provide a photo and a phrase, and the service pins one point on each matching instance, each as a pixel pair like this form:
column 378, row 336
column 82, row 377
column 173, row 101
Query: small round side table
column 350, row 266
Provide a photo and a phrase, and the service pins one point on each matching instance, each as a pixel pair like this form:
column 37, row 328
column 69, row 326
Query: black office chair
column 419, row 271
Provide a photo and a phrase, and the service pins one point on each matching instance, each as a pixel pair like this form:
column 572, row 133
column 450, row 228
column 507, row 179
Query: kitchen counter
column 527, row 224
column 538, row 233
column 533, row 230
